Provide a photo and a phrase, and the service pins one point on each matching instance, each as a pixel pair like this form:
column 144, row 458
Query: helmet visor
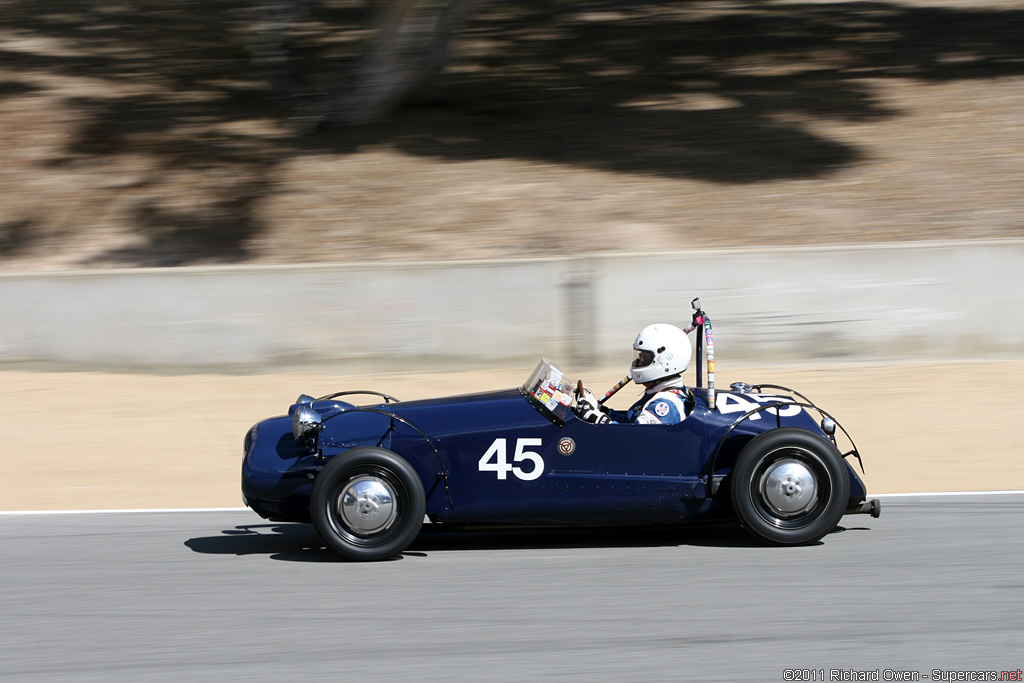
column 642, row 358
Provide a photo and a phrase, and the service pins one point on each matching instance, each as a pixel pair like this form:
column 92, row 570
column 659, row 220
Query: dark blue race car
column 367, row 475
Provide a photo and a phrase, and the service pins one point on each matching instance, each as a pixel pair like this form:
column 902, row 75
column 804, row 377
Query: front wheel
column 790, row 486
column 367, row 504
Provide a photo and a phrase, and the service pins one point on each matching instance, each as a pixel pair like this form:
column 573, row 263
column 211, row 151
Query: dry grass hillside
column 137, row 133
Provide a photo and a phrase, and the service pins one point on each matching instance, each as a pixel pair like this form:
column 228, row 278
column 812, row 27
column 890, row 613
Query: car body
column 365, row 475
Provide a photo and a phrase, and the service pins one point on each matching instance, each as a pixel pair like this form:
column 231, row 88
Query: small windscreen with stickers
column 549, row 390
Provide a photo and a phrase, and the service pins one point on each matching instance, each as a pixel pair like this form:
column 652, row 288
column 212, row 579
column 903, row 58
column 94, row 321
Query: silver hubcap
column 789, row 487
column 367, row 505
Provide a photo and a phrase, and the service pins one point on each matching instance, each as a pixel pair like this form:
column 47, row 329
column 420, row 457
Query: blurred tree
column 409, row 49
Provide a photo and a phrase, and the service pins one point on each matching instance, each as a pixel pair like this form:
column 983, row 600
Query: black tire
column 367, row 504
column 790, row 486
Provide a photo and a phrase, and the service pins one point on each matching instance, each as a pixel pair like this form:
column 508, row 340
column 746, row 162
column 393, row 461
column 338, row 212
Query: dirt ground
column 110, row 441
column 142, row 134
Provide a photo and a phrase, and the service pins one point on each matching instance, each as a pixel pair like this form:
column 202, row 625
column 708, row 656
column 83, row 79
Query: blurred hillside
column 142, row 132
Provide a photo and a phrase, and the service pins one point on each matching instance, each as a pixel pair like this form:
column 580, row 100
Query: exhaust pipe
column 871, row 507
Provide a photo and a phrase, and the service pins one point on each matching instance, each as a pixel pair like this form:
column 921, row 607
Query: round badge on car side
column 566, row 446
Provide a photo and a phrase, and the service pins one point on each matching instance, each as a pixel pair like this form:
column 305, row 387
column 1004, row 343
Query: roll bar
column 705, row 341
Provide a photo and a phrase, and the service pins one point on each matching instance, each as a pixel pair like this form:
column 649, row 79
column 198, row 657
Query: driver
column 662, row 354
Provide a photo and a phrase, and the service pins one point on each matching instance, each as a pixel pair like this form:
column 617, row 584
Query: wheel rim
column 367, row 505
column 791, row 488
column 364, row 508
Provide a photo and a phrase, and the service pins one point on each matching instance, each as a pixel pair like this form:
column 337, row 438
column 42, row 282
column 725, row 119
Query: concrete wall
column 893, row 301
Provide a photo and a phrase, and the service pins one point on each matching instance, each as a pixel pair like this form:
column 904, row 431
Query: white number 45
column 499, row 454
column 741, row 403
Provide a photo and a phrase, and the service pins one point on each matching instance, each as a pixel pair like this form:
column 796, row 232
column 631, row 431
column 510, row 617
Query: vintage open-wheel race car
column 368, row 476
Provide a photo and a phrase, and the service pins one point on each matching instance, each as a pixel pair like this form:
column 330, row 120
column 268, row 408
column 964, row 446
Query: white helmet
column 662, row 350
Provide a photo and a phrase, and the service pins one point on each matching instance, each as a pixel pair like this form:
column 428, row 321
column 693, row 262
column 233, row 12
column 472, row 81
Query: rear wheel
column 790, row 486
column 367, row 504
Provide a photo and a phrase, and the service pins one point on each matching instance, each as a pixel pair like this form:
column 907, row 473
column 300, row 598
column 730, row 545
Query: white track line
column 116, row 512
column 149, row 510
column 944, row 493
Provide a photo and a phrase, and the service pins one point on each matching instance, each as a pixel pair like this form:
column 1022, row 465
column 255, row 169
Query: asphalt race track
column 935, row 583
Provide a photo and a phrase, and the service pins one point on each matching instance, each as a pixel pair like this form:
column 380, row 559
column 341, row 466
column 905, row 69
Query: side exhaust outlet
column 871, row 507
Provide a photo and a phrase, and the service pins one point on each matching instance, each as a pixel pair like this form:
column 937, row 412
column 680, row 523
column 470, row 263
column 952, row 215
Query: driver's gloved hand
column 587, row 407
column 595, row 416
column 585, row 401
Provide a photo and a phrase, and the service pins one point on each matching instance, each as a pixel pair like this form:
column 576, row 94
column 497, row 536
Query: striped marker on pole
column 709, row 342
